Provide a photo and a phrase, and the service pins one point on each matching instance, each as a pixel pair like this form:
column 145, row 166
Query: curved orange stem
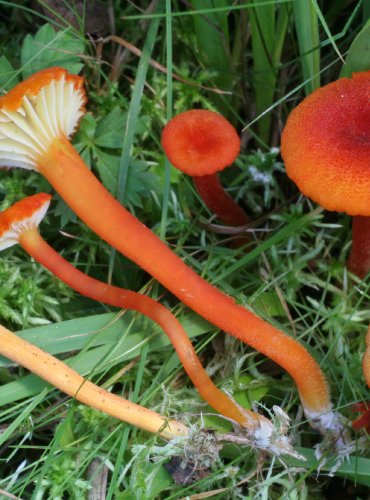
column 65, row 170
column 37, row 247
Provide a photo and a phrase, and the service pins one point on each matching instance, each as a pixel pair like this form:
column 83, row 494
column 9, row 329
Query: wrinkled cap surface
column 22, row 216
column 326, row 145
column 47, row 105
column 200, row 142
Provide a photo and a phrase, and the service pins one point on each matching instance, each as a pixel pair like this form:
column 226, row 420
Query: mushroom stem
column 67, row 380
column 366, row 359
column 65, row 170
column 33, row 243
column 359, row 260
column 219, row 201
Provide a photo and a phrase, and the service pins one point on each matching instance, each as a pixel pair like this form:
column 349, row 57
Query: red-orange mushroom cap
column 200, row 142
column 326, row 145
column 23, row 215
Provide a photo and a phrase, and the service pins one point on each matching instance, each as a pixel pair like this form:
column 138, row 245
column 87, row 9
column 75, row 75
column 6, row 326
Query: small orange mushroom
column 201, row 143
column 36, row 120
column 326, row 149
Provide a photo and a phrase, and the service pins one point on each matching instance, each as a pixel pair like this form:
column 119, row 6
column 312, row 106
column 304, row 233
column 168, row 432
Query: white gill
column 11, row 236
column 27, row 133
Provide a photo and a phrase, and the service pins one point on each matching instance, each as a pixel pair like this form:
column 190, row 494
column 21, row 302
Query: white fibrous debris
column 28, row 132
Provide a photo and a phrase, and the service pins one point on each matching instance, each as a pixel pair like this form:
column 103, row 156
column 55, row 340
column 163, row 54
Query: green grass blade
column 5, row 435
column 354, row 468
column 307, row 29
column 213, row 42
column 269, row 28
column 366, row 10
column 262, row 21
column 134, row 108
column 326, row 28
column 167, row 165
column 132, row 117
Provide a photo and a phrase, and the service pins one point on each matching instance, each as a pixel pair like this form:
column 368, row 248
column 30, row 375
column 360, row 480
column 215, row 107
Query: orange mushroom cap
column 34, row 83
column 200, row 142
column 47, row 105
column 23, row 215
column 326, row 145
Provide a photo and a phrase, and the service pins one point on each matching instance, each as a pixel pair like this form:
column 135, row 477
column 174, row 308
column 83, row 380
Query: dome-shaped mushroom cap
column 200, row 142
column 47, row 105
column 326, row 145
column 23, row 215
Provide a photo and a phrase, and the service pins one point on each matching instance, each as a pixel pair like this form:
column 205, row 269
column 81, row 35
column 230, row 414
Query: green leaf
column 108, row 167
column 139, row 181
column 49, row 48
column 110, row 129
column 149, row 480
column 268, row 304
column 213, row 43
column 8, row 75
column 85, row 136
column 358, row 57
column 246, row 396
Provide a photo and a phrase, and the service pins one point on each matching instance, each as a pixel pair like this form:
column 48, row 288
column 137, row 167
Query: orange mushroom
column 19, row 224
column 36, row 119
column 326, row 149
column 201, row 143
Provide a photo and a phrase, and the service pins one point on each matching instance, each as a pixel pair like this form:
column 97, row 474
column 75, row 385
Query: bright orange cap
column 34, row 83
column 23, row 215
column 326, row 145
column 200, row 142
column 48, row 105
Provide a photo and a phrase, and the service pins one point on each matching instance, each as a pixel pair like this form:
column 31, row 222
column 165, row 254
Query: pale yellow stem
column 67, row 380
